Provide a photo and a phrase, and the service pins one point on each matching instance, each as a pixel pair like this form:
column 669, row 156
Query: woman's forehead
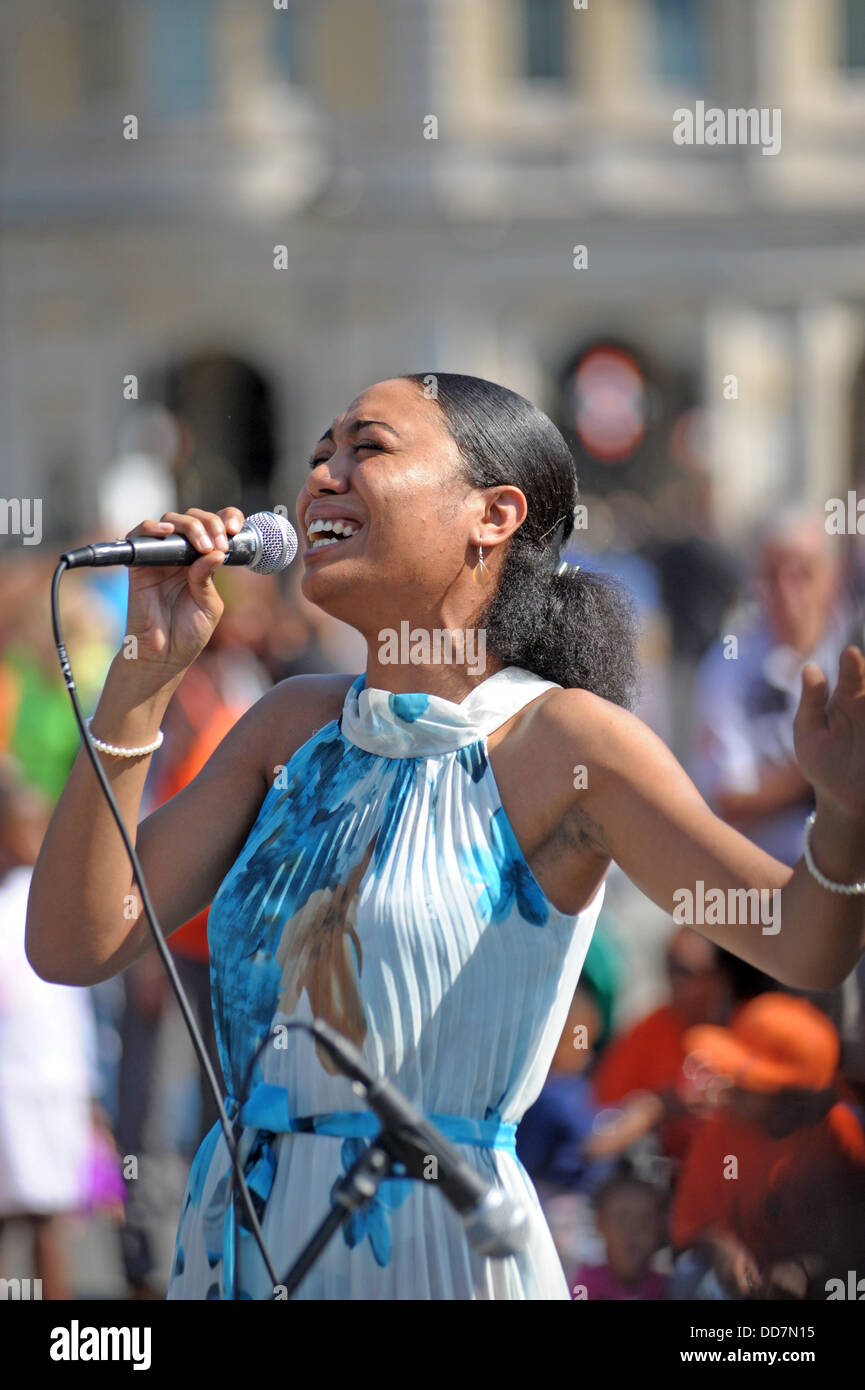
column 395, row 394
column 397, row 403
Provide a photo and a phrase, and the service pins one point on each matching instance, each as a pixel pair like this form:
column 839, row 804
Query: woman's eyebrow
column 360, row 425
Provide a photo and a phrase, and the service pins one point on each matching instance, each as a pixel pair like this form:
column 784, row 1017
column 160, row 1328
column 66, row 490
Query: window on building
column 680, row 41
column 227, row 408
column 545, row 39
column 179, row 61
column 852, row 33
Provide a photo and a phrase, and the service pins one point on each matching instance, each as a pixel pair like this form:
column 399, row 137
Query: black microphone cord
column 157, row 933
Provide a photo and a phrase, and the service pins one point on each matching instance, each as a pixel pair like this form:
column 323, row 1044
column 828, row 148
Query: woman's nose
column 333, row 474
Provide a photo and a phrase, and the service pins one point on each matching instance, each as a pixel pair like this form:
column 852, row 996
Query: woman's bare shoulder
column 602, row 734
column 295, row 709
column 272, row 730
column 595, row 721
column 319, row 691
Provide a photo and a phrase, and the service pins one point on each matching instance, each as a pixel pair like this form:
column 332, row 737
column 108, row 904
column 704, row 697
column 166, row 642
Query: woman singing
column 417, row 854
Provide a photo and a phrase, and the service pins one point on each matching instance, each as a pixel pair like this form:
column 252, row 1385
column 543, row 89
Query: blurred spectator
column 559, row 1140
column 630, row 1218
column 745, row 762
column 36, row 721
column 706, row 986
column 771, row 1200
column 566, row 1144
column 553, row 1130
column 51, row 1158
column 552, row 1135
column 700, row 581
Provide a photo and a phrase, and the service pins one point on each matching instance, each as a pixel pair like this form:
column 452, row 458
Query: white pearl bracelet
column 823, row 881
column 118, row 752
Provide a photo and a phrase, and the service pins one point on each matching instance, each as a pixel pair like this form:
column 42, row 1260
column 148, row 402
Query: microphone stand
column 356, row 1191
column 353, row 1192
column 399, row 1145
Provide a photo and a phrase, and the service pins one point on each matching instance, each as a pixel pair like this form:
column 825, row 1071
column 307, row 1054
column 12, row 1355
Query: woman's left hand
column 829, row 735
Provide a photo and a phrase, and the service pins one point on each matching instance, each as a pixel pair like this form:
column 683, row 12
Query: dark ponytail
column 575, row 628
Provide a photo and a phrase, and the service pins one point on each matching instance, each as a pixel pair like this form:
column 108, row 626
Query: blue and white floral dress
column 383, row 890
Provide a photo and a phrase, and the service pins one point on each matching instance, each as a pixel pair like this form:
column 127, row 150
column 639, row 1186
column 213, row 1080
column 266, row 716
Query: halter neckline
column 418, row 724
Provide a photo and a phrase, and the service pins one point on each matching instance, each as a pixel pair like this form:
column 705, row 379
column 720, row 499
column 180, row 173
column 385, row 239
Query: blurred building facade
column 429, row 167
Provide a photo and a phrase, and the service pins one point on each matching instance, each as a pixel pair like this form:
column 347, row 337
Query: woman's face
column 389, row 467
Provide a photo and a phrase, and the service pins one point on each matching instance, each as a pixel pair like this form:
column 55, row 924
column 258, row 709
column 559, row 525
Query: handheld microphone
column 266, row 543
column 494, row 1224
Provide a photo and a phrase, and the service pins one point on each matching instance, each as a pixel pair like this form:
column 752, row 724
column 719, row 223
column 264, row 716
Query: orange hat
column 775, row 1040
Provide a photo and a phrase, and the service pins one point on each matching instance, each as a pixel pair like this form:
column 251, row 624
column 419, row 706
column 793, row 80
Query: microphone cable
column 287, row 1024
column 159, row 938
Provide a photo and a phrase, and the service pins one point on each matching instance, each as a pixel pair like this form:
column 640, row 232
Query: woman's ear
column 506, row 511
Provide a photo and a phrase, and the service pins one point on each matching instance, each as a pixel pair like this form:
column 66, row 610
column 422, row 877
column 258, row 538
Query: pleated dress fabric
column 382, row 889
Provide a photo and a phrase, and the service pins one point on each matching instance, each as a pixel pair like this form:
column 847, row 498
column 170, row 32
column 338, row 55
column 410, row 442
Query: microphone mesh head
column 278, row 542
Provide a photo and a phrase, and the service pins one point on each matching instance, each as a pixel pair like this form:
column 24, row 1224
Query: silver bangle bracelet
column 823, row 881
column 117, row 752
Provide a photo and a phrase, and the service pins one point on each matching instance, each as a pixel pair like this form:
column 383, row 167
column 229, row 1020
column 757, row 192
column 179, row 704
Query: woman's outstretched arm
column 639, row 807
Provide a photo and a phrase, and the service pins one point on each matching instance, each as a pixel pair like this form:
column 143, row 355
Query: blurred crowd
column 711, row 1148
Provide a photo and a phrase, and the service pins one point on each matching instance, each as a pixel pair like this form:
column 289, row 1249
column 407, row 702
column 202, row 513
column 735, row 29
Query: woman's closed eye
column 362, row 444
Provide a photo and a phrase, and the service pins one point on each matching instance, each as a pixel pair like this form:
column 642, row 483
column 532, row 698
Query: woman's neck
column 452, row 683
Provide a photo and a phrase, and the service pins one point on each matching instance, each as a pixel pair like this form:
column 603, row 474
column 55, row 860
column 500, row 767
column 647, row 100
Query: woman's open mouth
column 324, row 533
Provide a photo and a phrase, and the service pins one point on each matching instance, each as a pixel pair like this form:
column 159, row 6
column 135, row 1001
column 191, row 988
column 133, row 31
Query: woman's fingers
column 204, row 530
column 232, row 518
column 811, row 714
column 851, row 673
column 207, row 531
column 150, row 528
column 200, row 578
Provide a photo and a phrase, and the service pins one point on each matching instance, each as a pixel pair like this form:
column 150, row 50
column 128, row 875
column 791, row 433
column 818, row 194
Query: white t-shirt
column 47, row 1056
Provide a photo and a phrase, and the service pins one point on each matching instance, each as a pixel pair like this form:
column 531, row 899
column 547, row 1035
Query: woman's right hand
column 173, row 610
